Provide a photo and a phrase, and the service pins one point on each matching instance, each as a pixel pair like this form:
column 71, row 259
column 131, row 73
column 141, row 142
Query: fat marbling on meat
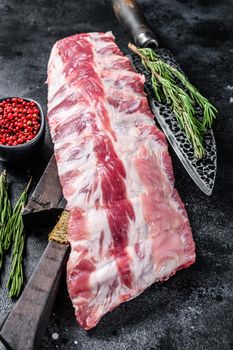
column 128, row 227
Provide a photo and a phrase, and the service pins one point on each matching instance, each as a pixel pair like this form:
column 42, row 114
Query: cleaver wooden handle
column 25, row 325
column 130, row 15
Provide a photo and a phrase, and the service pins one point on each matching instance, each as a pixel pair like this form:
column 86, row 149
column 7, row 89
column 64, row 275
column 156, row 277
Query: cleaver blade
column 202, row 171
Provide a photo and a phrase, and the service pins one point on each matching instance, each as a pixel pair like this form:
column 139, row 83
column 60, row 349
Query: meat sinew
column 128, row 227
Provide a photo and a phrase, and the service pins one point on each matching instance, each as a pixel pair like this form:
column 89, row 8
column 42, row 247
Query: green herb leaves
column 12, row 232
column 5, row 213
column 172, row 86
column 15, row 231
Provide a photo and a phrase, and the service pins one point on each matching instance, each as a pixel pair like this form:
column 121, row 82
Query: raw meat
column 128, row 226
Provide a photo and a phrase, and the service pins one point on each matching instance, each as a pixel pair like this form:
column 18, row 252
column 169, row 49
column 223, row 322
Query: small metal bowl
column 24, row 150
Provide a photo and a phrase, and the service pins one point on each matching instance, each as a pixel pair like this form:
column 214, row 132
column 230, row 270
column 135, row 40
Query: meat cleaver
column 202, row 171
column 24, row 327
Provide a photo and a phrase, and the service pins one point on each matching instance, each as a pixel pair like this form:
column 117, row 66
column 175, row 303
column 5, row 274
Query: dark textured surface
column 194, row 309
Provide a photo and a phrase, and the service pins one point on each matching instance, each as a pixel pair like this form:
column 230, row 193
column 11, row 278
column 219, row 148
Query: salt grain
column 55, row 336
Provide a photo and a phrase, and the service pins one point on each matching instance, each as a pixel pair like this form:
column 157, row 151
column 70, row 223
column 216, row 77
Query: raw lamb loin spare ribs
column 128, row 227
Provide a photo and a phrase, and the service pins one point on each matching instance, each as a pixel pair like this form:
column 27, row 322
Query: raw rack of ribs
column 128, row 227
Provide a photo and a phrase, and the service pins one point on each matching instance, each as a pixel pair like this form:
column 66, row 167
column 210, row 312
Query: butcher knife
column 202, row 171
column 24, row 327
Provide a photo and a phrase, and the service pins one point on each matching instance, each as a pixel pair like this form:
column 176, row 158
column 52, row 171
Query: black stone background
column 194, row 309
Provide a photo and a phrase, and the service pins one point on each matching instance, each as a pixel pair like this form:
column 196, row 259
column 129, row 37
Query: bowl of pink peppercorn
column 22, row 128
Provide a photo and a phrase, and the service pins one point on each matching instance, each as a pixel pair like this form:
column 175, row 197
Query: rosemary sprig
column 5, row 212
column 183, row 97
column 15, row 280
column 14, row 232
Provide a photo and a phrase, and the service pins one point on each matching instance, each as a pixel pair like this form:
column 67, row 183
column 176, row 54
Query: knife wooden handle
column 130, row 15
column 25, row 325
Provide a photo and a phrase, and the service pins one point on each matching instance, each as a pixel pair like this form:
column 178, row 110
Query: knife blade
column 202, row 171
column 46, row 202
